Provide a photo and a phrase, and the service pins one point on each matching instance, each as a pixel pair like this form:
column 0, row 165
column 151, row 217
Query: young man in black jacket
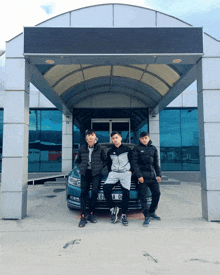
column 146, row 168
column 90, row 160
column 119, row 167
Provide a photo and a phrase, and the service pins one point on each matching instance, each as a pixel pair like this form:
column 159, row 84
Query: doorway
column 104, row 127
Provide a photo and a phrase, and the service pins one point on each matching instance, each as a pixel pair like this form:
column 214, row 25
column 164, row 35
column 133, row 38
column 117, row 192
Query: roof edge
column 122, row 4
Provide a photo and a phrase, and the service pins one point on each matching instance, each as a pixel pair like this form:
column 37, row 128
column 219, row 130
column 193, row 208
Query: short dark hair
column 90, row 131
column 144, row 134
column 115, row 133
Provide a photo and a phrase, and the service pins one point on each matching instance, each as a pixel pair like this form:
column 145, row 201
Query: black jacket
column 119, row 159
column 145, row 161
column 98, row 159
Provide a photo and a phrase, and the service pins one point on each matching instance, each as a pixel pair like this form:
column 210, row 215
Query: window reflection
column 179, row 141
column 1, row 137
column 45, row 141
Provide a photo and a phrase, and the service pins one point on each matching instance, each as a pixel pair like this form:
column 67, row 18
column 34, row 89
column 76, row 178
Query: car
column 73, row 189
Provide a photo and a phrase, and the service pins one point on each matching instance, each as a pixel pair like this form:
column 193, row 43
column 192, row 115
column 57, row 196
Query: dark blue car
column 73, row 189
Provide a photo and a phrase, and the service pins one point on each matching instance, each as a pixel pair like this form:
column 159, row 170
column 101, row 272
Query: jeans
column 85, row 187
column 155, row 190
column 108, row 195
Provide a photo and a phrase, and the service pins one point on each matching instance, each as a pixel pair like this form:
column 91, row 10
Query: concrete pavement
column 49, row 241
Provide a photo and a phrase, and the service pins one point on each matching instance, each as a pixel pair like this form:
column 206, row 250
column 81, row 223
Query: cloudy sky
column 14, row 14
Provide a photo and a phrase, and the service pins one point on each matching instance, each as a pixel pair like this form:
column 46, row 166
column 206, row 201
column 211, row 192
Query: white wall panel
column 44, row 102
column 18, row 179
column 189, row 98
column 15, row 47
column 98, row 16
column 62, row 20
column 211, row 47
column 164, row 20
column 177, row 102
column 212, row 131
column 131, row 16
column 15, row 145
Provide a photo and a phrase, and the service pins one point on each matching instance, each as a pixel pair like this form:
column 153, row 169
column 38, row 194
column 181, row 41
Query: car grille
column 118, row 186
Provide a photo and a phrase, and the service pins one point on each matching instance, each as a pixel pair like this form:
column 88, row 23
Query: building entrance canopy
column 117, row 58
column 150, row 66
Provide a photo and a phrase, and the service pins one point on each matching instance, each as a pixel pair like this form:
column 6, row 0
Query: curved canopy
column 145, row 82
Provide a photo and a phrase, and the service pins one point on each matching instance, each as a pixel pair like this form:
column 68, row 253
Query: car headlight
column 74, row 181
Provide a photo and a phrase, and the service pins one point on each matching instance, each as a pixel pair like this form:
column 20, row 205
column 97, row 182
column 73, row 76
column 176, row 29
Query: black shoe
column 114, row 214
column 154, row 216
column 146, row 221
column 82, row 222
column 91, row 218
column 124, row 219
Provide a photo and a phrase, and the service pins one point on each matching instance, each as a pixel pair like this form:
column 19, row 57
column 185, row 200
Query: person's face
column 91, row 139
column 116, row 139
column 145, row 140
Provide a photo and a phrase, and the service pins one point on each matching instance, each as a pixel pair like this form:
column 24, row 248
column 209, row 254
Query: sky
column 14, row 14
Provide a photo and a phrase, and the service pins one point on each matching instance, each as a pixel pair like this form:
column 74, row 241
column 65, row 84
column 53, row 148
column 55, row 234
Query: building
column 109, row 67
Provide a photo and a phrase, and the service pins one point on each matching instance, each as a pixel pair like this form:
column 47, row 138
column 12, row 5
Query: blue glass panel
column 179, row 140
column 190, row 139
column 170, row 131
column 1, row 137
column 34, row 141
column 76, row 139
column 135, row 135
column 45, row 141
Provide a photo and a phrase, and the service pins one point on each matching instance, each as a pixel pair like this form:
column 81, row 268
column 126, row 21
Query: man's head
column 144, row 138
column 91, row 137
column 116, row 138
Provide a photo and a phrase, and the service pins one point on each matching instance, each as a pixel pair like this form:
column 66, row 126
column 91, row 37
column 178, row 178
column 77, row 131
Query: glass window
column 102, row 131
column 45, row 141
column 190, row 139
column 179, row 148
column 135, row 135
column 76, row 138
column 1, row 137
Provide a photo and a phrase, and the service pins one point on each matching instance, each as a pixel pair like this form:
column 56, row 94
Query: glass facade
column 1, row 137
column 135, row 135
column 45, row 141
column 179, row 140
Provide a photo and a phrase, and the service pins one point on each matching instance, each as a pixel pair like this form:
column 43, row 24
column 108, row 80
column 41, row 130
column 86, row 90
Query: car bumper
column 73, row 198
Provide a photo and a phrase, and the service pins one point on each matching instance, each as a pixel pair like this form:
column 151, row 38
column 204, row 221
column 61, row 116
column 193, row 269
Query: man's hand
column 131, row 172
column 158, row 179
column 141, row 180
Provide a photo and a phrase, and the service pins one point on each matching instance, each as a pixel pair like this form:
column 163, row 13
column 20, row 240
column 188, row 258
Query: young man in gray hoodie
column 119, row 167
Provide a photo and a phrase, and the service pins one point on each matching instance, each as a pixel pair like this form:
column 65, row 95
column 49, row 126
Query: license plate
column 118, row 197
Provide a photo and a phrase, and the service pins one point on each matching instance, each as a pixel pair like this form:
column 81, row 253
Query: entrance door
column 104, row 128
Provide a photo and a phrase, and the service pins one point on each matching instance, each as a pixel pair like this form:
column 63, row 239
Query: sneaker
column 91, row 218
column 114, row 214
column 82, row 222
column 154, row 216
column 124, row 219
column 146, row 221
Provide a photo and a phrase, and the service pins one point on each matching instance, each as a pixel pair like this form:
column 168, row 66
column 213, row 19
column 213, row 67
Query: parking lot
column 49, row 241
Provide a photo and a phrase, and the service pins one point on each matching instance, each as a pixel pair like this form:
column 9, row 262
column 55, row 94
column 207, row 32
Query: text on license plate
column 101, row 197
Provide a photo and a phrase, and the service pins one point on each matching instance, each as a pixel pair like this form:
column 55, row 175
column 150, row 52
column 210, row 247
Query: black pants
column 108, row 195
column 85, row 187
column 155, row 190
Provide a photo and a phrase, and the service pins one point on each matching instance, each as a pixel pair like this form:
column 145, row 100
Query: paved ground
column 49, row 240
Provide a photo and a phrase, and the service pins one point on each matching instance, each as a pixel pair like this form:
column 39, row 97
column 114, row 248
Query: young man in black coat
column 146, row 167
column 90, row 160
